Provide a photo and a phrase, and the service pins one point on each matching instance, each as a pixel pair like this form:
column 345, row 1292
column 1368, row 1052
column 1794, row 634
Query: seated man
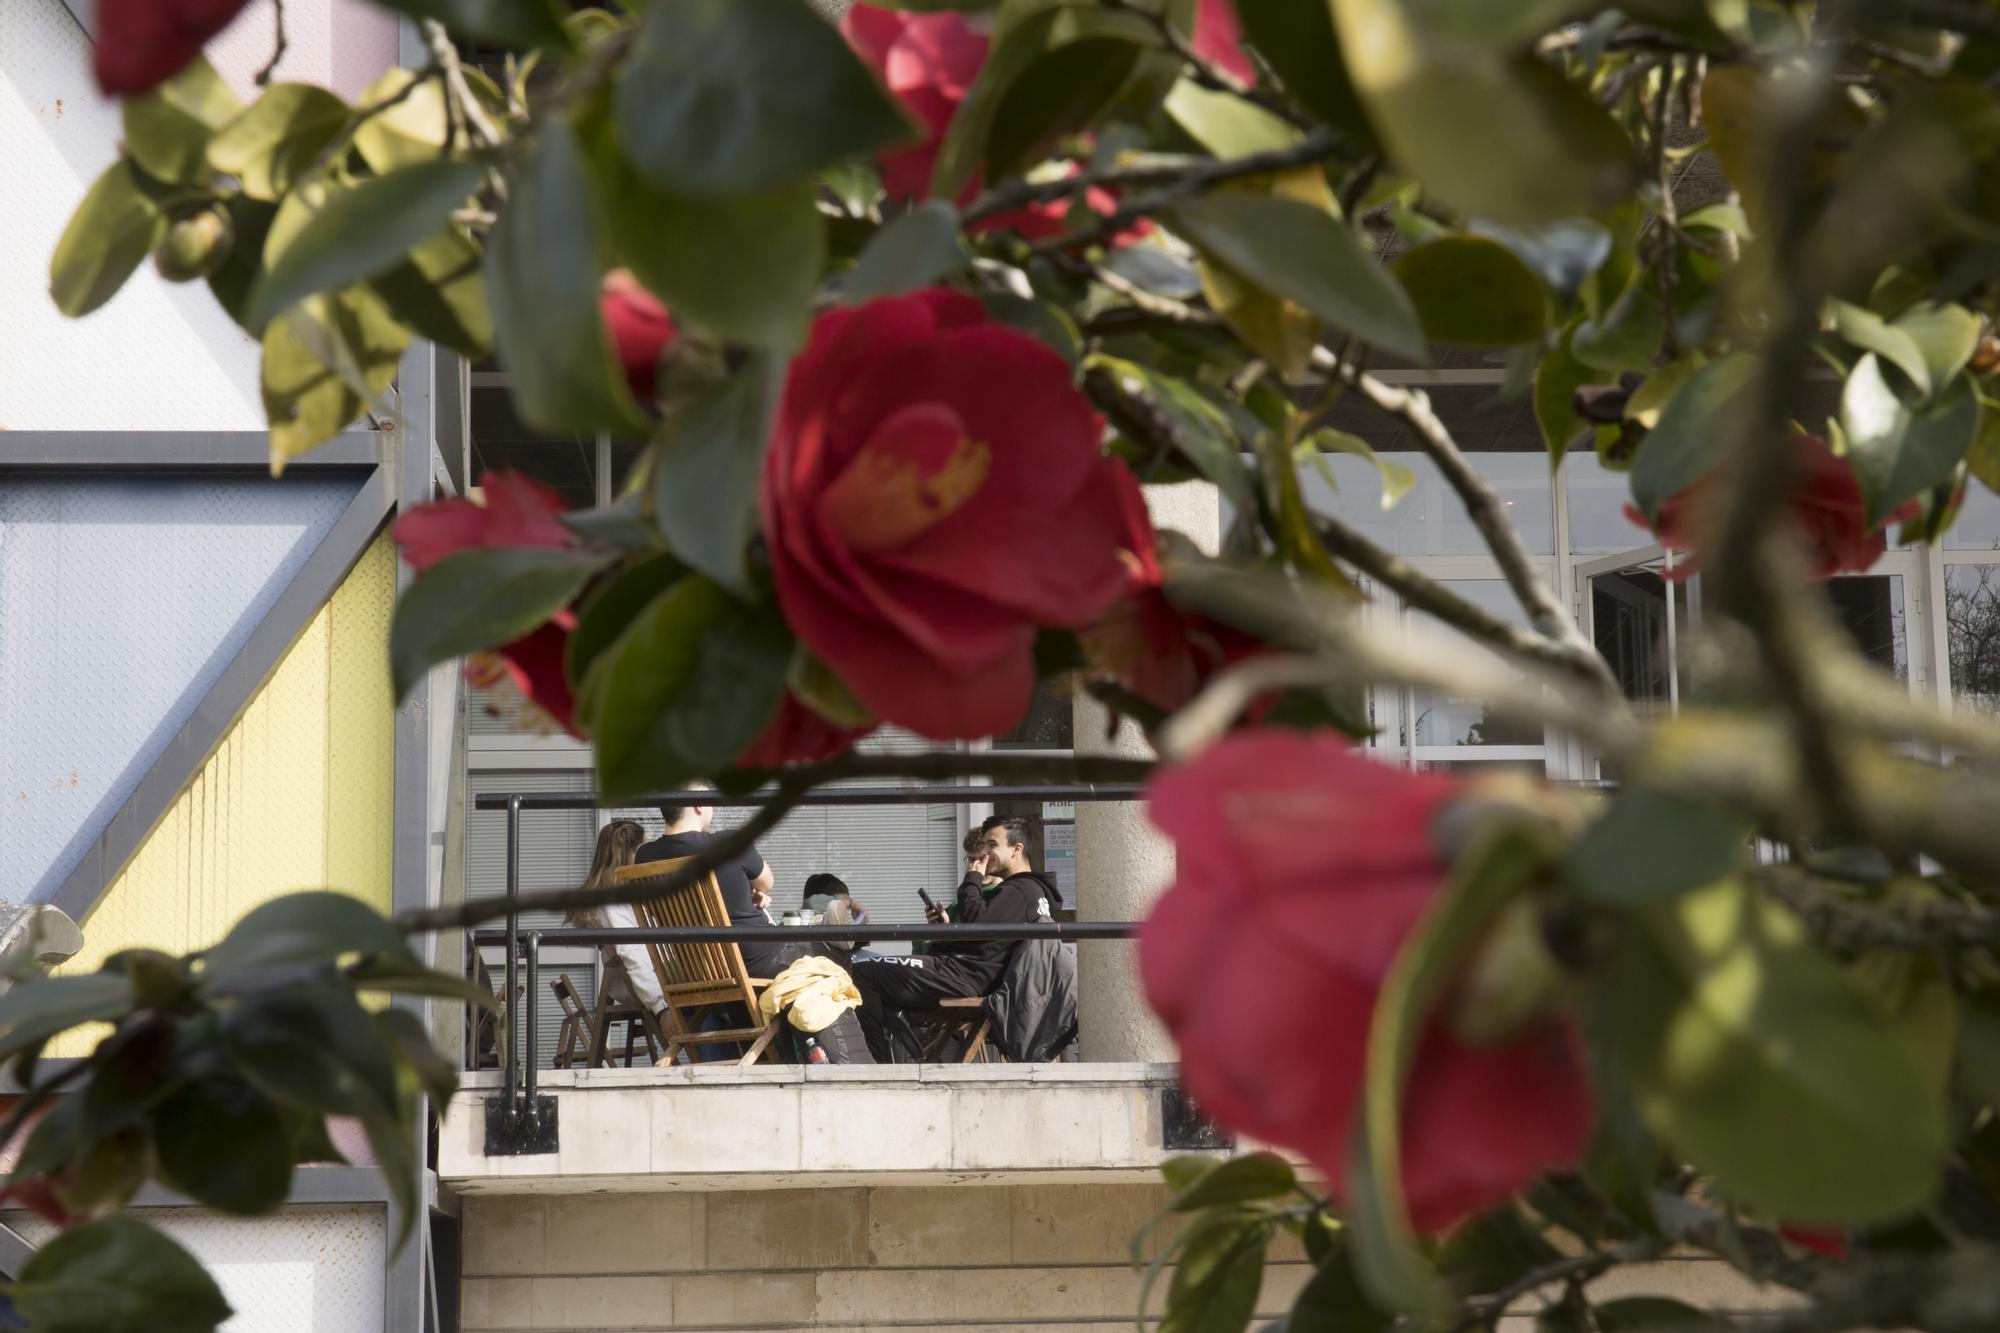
column 956, row 969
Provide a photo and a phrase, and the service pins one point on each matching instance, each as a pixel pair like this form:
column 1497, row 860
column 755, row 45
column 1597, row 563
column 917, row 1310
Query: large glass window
column 1430, row 520
column 1972, row 634
column 1870, row 607
column 1442, row 727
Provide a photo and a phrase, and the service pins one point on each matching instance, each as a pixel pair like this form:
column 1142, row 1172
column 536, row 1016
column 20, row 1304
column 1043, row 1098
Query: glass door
column 1633, row 611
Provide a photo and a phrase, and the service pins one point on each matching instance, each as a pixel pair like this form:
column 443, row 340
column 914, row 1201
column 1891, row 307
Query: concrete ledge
column 725, row 1128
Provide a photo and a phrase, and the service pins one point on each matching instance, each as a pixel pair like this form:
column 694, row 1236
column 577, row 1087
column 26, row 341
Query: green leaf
column 116, row 1274
column 1183, row 1171
column 1487, row 1252
column 1557, row 379
column 1945, row 337
column 362, row 231
column 1396, row 479
column 1474, row 292
column 222, row 1143
column 440, row 293
column 542, row 285
column 1062, row 89
column 1543, row 150
column 250, row 219
column 705, row 473
column 1332, row 1301
column 1650, row 845
column 414, row 129
column 1500, row 863
column 726, row 97
column 520, row 24
column 1038, row 319
column 1689, row 441
column 1979, row 1046
column 33, row 1011
column 609, row 612
column 1299, row 43
column 1246, row 1179
column 1871, row 333
column 1300, row 253
column 313, row 358
column 1626, row 336
column 437, row 1076
column 917, row 249
column 687, row 688
column 167, row 131
column 480, row 598
column 1215, row 1284
column 282, row 133
column 312, row 1046
column 1224, row 123
column 1899, row 451
column 319, row 926
column 118, row 221
column 744, row 266
column 1760, row 1062
column 1563, row 254
column 1655, row 1314
column 394, row 975
column 1202, row 433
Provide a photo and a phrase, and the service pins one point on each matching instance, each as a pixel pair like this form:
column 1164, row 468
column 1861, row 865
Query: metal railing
column 519, row 1092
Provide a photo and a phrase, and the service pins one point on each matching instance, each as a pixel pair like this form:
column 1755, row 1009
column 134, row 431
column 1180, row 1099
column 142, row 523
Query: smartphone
column 929, row 902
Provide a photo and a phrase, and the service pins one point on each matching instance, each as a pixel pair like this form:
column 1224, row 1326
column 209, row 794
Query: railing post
column 509, row 1080
column 533, row 1061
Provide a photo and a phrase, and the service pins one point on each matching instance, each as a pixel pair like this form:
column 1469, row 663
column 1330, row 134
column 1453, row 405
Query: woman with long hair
column 617, row 845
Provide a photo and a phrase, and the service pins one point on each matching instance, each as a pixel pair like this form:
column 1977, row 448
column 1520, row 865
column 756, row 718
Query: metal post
column 534, row 1037
column 509, row 1079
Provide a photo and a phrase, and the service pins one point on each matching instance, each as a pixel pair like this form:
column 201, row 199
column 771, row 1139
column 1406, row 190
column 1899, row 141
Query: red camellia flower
column 143, row 43
column 933, row 492
column 519, row 511
column 1218, row 39
column 1825, row 504
column 799, row 735
column 640, row 327
column 929, row 62
column 1302, row 868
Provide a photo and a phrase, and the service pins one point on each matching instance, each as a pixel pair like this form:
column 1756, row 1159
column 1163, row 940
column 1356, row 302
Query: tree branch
column 1317, row 146
column 1482, row 505
column 1434, row 599
column 277, row 50
column 1847, row 925
column 457, row 91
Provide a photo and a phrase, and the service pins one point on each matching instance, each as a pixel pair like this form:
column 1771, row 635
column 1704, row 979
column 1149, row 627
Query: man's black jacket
column 1028, row 896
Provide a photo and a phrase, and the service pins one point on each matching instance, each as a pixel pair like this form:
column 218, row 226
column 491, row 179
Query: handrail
column 935, row 794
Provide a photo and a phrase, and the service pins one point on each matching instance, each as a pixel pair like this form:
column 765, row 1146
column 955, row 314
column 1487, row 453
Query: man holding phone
column 956, row 969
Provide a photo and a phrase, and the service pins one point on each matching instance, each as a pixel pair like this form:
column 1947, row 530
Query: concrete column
column 1122, row 862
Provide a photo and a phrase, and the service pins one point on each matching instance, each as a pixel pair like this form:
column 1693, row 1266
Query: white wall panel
column 121, row 603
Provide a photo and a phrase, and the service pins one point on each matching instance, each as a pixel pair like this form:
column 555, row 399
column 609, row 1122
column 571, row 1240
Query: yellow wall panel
column 299, row 794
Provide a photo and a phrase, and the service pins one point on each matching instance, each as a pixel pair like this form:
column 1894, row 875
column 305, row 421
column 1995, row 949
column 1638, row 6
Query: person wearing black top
column 956, row 969
column 745, row 881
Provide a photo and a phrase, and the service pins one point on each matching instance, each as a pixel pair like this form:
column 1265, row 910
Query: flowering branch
column 1206, row 72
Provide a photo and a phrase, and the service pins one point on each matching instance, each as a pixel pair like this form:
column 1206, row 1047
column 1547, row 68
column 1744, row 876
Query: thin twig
column 1483, row 506
column 341, row 142
column 1667, row 232
column 278, row 50
column 1178, row 181
column 1845, row 924
column 457, row 90
column 1206, row 72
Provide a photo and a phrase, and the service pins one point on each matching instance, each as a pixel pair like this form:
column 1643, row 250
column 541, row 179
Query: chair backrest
column 698, row 903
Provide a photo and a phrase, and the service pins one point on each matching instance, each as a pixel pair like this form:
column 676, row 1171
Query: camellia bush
column 907, row 307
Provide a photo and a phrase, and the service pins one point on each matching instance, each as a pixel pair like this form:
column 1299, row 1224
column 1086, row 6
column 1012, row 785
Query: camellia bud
column 195, row 246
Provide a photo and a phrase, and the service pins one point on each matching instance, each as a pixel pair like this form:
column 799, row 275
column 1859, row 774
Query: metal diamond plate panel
column 121, row 602
column 157, row 357
column 309, row 1269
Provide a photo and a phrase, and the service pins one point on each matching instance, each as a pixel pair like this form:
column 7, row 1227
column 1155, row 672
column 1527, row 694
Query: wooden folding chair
column 962, row 1021
column 573, row 1036
column 616, row 1003
column 696, row 979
